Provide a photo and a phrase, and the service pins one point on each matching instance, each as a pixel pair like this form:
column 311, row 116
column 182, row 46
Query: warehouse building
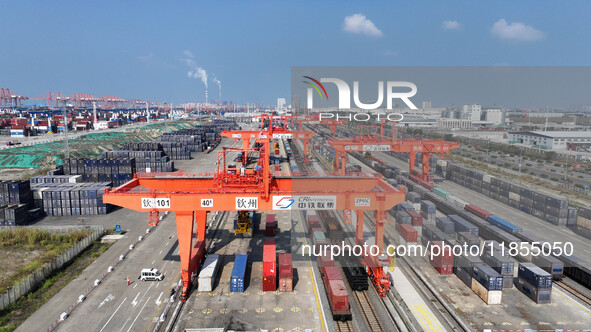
column 553, row 140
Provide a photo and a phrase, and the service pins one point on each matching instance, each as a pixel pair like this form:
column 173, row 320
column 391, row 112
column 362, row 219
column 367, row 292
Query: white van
column 151, row 274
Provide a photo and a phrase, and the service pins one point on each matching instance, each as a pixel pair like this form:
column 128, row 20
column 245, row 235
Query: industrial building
column 553, row 140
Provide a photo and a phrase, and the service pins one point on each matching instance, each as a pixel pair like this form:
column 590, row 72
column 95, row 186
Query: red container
column 325, row 261
column 338, row 296
column 313, row 220
column 269, row 259
column 478, row 211
column 270, row 225
column 408, row 233
column 330, row 273
column 285, row 273
column 445, row 269
column 269, row 283
column 277, row 168
column 417, row 219
column 445, row 256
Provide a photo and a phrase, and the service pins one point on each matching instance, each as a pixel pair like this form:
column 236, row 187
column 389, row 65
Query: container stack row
column 547, row 207
column 269, row 266
column 115, row 170
column 71, row 199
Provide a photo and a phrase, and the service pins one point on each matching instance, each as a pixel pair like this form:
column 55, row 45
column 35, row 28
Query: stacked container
column 285, row 273
column 269, row 266
column 270, row 225
column 443, row 262
column 463, row 267
column 504, row 265
column 534, row 282
column 445, row 225
column 415, row 218
column 461, row 225
column 487, row 283
column 238, row 277
column 408, row 233
column 428, row 210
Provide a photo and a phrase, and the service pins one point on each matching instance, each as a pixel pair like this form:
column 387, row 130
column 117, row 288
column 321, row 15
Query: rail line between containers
column 361, row 299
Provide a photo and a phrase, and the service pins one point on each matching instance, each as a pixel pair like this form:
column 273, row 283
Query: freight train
column 338, row 296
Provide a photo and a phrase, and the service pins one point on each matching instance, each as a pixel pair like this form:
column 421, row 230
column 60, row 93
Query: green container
column 440, row 192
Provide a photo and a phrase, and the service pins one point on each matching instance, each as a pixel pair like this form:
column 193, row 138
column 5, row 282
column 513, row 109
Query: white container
column 441, row 162
column 38, row 194
column 514, row 196
column 488, row 296
column 75, row 179
column 208, row 272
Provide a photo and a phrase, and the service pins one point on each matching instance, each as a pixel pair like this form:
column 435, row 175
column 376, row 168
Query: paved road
column 114, row 305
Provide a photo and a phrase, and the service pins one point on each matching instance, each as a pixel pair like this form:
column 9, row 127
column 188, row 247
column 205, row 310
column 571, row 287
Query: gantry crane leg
column 191, row 256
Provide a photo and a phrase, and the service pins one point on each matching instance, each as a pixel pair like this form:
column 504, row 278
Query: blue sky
column 136, row 49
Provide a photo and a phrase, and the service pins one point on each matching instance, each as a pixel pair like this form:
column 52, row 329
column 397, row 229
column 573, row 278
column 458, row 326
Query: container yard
column 136, row 196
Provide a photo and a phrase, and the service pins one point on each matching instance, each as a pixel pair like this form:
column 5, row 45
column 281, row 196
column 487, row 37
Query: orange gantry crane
column 371, row 143
column 192, row 196
column 315, row 120
column 270, row 132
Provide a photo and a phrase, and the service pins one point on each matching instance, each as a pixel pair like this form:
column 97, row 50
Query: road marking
column 318, row 304
column 134, row 286
column 425, row 318
column 158, row 309
column 134, row 302
column 153, row 262
column 166, row 244
column 160, row 252
column 158, row 284
column 127, row 321
column 107, row 299
column 113, row 315
column 571, row 301
column 158, row 301
column 138, row 314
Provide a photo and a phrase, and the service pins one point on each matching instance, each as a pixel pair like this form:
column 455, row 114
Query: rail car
column 575, row 269
column 338, row 296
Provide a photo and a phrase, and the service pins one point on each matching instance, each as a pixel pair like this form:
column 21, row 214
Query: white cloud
column 188, row 54
column 451, row 25
column 516, row 31
column 359, row 24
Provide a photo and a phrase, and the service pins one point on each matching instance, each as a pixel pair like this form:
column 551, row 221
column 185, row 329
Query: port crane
column 192, row 196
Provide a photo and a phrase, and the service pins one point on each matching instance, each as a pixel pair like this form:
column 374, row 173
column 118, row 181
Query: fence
column 37, row 277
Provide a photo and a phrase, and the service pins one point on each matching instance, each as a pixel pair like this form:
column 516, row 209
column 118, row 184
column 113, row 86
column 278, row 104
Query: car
column 151, row 275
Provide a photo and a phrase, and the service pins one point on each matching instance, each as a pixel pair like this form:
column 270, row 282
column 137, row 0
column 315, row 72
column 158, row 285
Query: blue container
column 504, row 224
column 487, row 277
column 444, row 224
column 237, row 280
column 461, row 225
column 535, row 275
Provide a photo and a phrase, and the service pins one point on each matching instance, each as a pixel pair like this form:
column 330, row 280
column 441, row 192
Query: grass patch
column 25, row 250
column 17, row 313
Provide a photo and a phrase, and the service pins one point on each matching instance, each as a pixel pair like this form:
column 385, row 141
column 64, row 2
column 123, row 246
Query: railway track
column 575, row 292
column 345, row 326
column 367, row 310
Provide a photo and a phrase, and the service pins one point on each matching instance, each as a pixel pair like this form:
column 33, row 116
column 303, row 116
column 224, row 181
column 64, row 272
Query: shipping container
column 269, row 266
column 539, row 296
column 461, row 225
column 488, row 296
column 487, row 277
column 502, row 264
column 469, row 239
column 464, row 275
column 238, row 277
column 416, row 218
column 478, row 211
column 503, row 224
column 408, row 233
column 534, row 275
column 208, row 273
column 285, row 273
column 445, row 225
column 550, row 264
column 270, row 225
column 339, row 300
